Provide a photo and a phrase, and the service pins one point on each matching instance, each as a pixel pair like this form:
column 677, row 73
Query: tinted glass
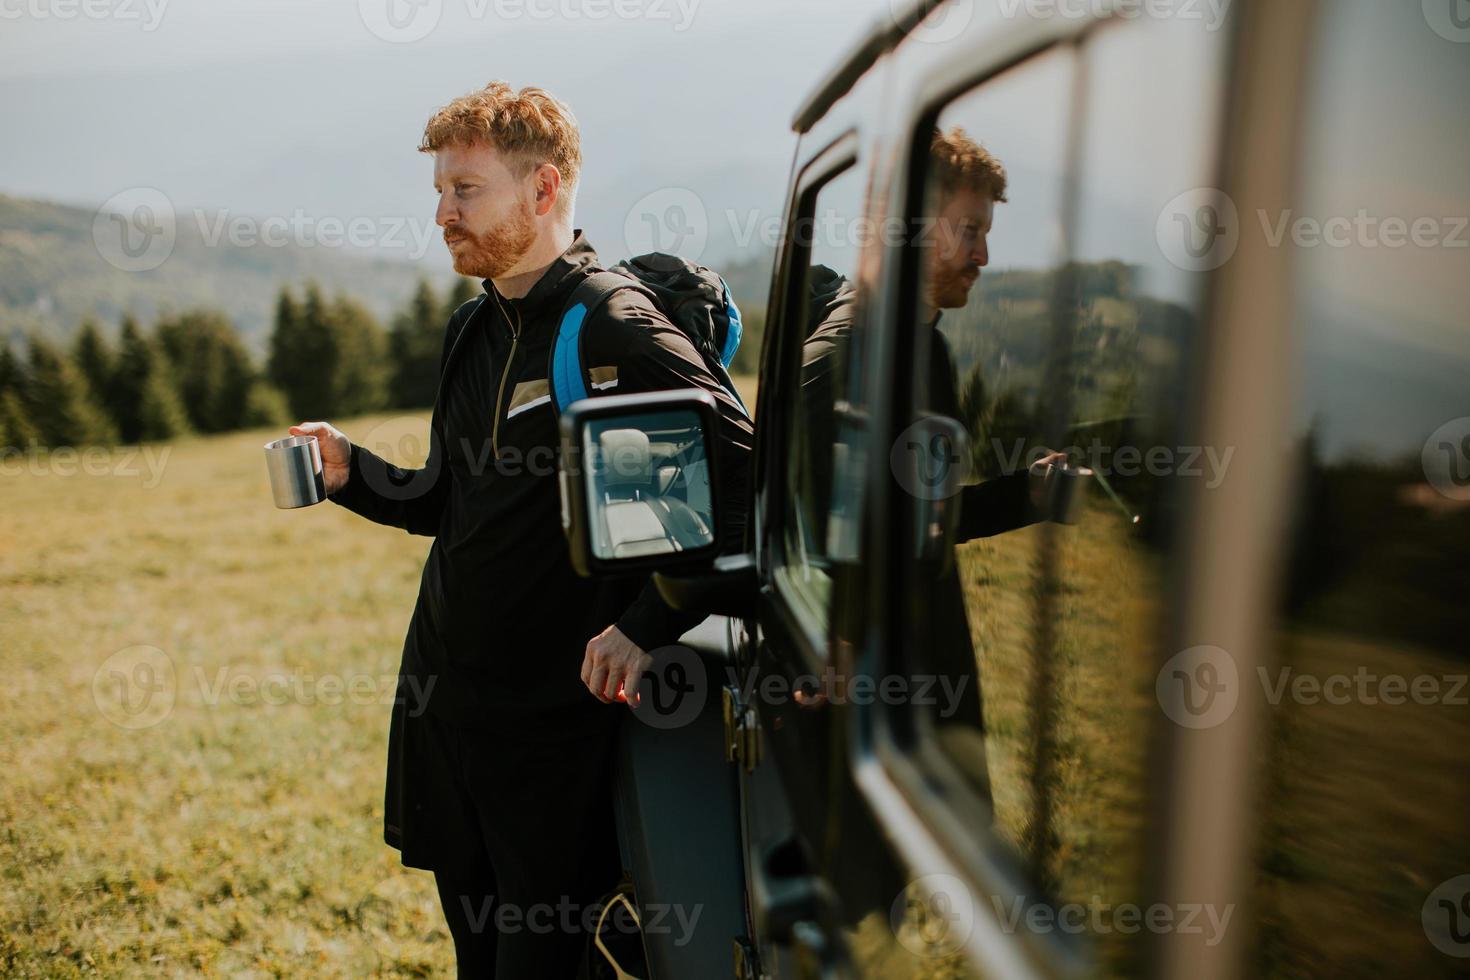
column 1067, row 361
column 1364, row 865
column 827, row 231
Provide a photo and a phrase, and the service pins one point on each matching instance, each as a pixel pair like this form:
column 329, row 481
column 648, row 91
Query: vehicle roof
column 882, row 35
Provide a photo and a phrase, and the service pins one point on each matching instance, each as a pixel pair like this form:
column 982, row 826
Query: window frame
column 795, row 616
column 899, row 784
column 1203, row 820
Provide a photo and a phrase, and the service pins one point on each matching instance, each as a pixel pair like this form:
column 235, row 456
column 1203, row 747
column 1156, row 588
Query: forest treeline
column 192, row 373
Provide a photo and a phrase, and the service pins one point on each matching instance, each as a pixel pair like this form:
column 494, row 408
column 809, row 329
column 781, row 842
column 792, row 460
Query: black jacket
column 502, row 620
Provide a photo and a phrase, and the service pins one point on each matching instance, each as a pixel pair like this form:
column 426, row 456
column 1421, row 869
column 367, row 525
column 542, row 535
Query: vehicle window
column 1065, row 360
column 1364, row 863
column 817, row 527
column 980, row 335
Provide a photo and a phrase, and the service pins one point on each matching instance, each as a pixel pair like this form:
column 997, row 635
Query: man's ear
column 547, row 187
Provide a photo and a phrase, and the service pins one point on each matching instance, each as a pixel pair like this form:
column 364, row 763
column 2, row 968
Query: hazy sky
column 269, row 107
column 280, row 108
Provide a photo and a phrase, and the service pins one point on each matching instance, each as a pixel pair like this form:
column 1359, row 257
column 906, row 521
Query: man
column 498, row 782
column 965, row 183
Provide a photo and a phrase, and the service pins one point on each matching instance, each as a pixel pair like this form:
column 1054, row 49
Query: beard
column 494, row 253
column 950, row 286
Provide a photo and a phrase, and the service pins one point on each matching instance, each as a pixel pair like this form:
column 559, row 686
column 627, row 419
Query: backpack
column 695, row 299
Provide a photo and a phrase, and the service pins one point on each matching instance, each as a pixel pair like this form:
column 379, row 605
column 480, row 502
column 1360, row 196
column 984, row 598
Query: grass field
column 221, row 814
column 196, row 718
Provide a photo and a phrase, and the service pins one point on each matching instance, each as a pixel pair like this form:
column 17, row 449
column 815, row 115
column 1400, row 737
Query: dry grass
column 227, row 835
column 229, row 823
column 211, row 832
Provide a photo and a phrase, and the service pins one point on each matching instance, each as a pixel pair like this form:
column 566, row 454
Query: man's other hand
column 613, row 666
column 336, row 452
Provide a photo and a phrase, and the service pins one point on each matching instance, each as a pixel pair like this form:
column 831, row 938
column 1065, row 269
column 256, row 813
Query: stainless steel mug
column 1068, row 493
column 295, row 466
column 1063, row 492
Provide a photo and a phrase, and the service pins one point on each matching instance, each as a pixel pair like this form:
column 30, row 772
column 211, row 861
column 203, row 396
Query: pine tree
column 16, row 430
column 11, row 374
column 302, row 358
column 161, row 411
column 328, row 358
column 94, row 356
column 145, row 397
column 265, row 406
column 414, row 348
column 359, row 382
column 59, row 402
column 283, row 364
column 212, row 367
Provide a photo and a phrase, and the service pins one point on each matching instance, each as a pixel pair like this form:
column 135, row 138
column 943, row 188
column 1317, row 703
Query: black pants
column 519, row 834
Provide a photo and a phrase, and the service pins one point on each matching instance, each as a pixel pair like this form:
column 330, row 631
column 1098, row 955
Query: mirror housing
column 639, row 487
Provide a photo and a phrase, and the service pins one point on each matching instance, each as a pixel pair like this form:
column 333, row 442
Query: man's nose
column 982, row 254
column 446, row 211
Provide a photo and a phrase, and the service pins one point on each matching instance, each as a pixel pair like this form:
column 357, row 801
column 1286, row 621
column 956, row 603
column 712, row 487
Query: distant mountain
column 54, row 270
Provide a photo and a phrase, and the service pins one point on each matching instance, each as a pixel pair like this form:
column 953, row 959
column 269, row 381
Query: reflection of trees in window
column 1125, row 372
column 1376, row 551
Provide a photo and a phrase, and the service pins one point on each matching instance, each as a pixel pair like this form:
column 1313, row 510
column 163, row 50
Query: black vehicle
column 1188, row 704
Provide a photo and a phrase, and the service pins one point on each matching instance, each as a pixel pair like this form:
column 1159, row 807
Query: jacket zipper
column 515, row 337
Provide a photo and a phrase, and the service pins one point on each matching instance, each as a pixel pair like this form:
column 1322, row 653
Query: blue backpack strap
column 568, row 369
column 734, row 331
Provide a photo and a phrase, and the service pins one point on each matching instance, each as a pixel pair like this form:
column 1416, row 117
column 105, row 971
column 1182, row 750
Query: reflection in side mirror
column 638, row 488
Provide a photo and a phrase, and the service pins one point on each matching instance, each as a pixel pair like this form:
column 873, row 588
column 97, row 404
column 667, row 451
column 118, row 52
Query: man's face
column 486, row 211
column 960, row 248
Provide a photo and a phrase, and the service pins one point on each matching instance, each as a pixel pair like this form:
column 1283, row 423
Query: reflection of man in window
column 965, row 184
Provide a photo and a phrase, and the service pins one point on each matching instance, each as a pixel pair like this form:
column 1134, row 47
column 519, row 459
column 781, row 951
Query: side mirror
column 638, row 483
